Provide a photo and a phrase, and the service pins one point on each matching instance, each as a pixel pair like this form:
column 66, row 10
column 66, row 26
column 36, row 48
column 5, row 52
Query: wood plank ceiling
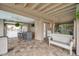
column 53, row 12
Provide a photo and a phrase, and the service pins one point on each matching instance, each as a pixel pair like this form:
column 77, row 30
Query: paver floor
column 34, row 48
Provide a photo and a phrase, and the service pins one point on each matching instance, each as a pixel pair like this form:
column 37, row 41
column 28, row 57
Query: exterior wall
column 28, row 27
column 25, row 27
column 31, row 28
column 39, row 30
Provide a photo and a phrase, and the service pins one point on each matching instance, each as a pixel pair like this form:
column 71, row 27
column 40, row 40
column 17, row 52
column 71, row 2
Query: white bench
column 62, row 40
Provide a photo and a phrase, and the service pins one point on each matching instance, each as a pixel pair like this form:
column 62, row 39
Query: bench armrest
column 71, row 46
column 71, row 41
column 49, row 38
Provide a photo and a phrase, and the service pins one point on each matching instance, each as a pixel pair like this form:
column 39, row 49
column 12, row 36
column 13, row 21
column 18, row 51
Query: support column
column 53, row 26
column 75, row 34
column 77, row 47
column 39, row 30
column 77, row 27
column 46, row 29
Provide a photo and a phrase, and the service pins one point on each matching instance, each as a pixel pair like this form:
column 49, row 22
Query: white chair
column 61, row 40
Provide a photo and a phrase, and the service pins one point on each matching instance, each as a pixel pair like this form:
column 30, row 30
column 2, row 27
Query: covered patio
column 47, row 19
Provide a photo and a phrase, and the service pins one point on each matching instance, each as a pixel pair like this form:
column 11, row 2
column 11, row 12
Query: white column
column 39, row 30
column 53, row 28
column 77, row 25
column 75, row 34
column 46, row 29
column 77, row 50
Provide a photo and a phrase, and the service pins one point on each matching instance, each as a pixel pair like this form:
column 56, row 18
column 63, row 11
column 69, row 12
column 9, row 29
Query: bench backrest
column 62, row 38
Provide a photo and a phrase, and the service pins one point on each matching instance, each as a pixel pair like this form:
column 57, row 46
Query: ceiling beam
column 65, row 10
column 25, row 5
column 31, row 13
column 57, row 9
column 44, row 6
column 67, row 14
column 34, row 6
column 64, row 18
column 52, row 7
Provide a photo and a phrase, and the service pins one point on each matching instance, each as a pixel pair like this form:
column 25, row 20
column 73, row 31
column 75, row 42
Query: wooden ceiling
column 50, row 12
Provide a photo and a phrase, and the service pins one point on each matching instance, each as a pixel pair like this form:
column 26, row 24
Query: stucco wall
column 39, row 29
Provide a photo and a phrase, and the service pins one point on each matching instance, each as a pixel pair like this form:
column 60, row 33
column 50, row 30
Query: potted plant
column 17, row 24
column 32, row 25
